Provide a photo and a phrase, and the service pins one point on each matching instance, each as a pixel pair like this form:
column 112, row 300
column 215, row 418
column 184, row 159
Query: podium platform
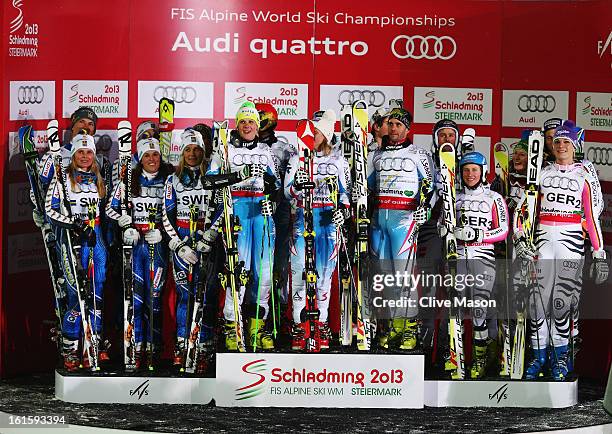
column 500, row 393
column 117, row 389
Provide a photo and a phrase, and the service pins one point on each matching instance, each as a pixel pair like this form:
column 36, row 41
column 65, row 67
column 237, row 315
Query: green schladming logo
column 256, row 367
column 430, row 103
column 587, row 108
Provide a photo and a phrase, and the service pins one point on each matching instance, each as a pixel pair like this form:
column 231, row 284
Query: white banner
column 289, row 100
column 192, row 100
column 600, row 154
column 109, row 99
column 320, row 380
column 481, row 144
column 594, row 110
column 462, row 105
column 530, row 108
column 32, row 100
column 335, row 96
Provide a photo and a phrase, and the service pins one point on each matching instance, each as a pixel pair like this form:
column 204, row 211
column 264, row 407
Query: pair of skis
column 28, row 150
column 233, row 277
column 354, row 144
column 527, row 216
column 310, row 314
column 71, row 254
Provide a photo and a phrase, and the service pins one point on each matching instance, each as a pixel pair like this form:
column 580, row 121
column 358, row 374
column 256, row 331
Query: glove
column 183, row 251
column 153, row 236
column 39, row 218
column 267, row 208
column 206, row 242
column 523, row 250
column 251, row 171
column 124, row 220
column 469, row 234
column 338, row 218
column 421, row 215
column 85, row 232
column 131, row 236
column 599, row 268
column 302, row 181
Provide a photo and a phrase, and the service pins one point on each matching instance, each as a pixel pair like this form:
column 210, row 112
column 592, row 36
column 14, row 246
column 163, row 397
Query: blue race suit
column 256, row 239
column 188, row 196
column 86, row 205
column 326, row 243
column 395, row 176
column 147, row 288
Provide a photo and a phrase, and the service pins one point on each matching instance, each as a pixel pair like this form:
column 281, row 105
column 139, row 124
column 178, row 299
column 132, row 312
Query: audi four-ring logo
column 600, row 156
column 30, row 94
column 537, row 103
column 326, row 169
column 561, row 182
column 186, row 94
column 423, row 47
column 395, row 164
column 374, row 98
column 474, row 206
column 241, row 159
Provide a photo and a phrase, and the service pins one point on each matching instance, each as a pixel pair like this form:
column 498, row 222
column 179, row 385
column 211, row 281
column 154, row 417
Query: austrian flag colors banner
column 320, row 380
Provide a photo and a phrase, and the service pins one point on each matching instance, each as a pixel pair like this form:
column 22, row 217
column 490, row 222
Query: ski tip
column 360, row 104
column 52, row 124
column 447, row 147
column 124, row 124
column 500, row 147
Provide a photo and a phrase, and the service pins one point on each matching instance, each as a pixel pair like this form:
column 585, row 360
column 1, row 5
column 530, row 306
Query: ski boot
column 558, row 363
column 298, row 336
column 479, row 362
column 103, row 347
column 139, row 355
column 393, row 334
column 72, row 361
column 179, row 353
column 205, row 357
column 259, row 337
column 231, row 341
column 536, row 366
column 409, row 335
column 324, row 334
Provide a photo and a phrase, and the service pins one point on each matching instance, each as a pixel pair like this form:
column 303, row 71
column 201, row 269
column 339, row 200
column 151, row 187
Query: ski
column 124, row 130
column 310, row 315
column 72, row 253
column 365, row 326
column 30, row 158
column 344, row 271
column 166, row 126
column 502, row 158
column 527, row 213
column 231, row 226
column 447, row 156
column 346, row 128
column 152, row 219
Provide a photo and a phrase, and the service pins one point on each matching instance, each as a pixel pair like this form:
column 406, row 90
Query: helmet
column 378, row 116
column 444, row 123
column 267, row 115
column 477, row 158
